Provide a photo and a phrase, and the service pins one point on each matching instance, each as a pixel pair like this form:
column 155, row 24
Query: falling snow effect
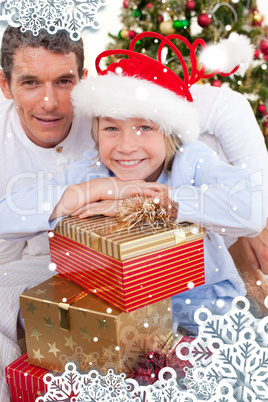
column 52, row 15
column 229, row 362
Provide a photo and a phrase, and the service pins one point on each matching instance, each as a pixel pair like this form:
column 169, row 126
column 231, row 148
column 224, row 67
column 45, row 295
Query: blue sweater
column 222, row 198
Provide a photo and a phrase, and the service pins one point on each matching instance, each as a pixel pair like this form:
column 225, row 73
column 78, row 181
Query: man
column 38, row 74
column 39, row 136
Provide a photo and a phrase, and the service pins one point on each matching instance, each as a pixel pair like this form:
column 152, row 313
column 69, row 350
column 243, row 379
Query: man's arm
column 228, row 125
column 218, row 196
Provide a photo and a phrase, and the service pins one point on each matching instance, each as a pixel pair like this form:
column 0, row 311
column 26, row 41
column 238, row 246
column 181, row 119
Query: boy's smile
column 132, row 149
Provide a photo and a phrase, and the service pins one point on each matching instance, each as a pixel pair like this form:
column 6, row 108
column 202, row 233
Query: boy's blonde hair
column 172, row 142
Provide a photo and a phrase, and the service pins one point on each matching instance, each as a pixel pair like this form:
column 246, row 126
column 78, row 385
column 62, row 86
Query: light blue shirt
column 222, row 198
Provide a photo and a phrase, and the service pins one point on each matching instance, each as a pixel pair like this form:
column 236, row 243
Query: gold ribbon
column 64, row 307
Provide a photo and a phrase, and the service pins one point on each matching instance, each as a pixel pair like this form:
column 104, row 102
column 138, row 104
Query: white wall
column 96, row 41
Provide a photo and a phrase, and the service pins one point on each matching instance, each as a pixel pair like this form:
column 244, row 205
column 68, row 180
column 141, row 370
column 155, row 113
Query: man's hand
column 257, row 288
column 257, row 250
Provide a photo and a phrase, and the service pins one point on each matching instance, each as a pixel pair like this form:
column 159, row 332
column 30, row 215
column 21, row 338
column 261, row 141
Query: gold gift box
column 63, row 323
column 128, row 268
column 103, row 234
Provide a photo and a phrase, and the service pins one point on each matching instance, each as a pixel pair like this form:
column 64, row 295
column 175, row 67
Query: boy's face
column 133, row 149
column 41, row 83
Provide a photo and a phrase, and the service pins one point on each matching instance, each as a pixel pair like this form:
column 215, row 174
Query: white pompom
column 237, row 50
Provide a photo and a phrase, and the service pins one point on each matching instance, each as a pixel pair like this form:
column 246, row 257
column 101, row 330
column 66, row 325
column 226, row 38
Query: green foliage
column 227, row 16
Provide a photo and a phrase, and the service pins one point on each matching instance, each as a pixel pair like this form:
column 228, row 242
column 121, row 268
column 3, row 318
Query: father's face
column 40, row 86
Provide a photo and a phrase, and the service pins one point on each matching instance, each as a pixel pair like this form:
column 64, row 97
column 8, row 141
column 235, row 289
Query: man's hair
column 172, row 141
column 60, row 42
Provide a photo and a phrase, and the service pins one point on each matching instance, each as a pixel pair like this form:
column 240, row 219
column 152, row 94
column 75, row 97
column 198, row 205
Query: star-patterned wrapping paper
column 128, row 268
column 63, row 323
column 25, row 380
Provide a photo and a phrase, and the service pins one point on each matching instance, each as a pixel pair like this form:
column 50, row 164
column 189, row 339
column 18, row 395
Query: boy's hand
column 104, row 207
column 115, row 189
column 77, row 197
column 109, row 192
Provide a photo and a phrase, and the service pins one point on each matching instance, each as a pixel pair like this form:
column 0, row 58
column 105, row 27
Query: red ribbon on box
column 147, row 369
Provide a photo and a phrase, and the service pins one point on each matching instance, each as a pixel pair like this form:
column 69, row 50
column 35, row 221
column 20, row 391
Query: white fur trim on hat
column 229, row 53
column 124, row 97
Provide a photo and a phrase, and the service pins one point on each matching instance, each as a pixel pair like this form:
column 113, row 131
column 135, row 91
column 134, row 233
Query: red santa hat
column 139, row 86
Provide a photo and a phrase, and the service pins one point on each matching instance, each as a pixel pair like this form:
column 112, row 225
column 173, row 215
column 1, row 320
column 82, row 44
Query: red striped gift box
column 128, row 268
column 25, row 380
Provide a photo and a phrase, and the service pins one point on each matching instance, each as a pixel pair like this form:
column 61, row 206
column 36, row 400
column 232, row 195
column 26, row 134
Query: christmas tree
column 211, row 21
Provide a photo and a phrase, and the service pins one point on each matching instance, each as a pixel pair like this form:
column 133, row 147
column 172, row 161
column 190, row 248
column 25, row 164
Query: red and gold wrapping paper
column 63, row 323
column 128, row 268
column 25, row 380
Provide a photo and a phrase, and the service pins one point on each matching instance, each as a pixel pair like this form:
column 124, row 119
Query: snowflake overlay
column 231, row 348
column 229, row 363
column 71, row 15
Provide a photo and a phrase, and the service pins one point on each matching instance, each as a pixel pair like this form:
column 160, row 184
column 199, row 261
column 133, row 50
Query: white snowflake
column 52, row 15
column 65, row 387
column 142, row 317
column 229, row 363
column 231, row 348
column 83, row 361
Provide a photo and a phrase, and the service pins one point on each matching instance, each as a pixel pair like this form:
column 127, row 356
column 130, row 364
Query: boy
column 146, row 132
